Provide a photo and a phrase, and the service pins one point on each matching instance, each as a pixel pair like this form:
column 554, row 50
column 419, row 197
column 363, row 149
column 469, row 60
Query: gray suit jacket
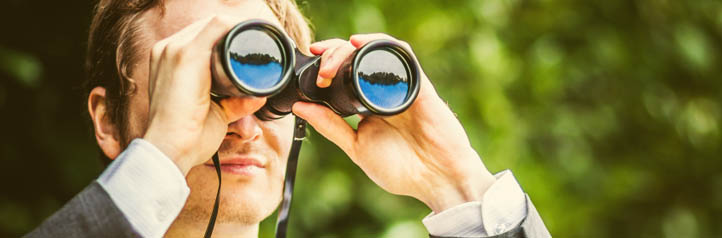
column 92, row 213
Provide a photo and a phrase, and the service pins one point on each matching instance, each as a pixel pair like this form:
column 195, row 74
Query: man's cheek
column 276, row 179
column 202, row 182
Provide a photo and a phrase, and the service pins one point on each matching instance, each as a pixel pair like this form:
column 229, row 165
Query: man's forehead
column 177, row 14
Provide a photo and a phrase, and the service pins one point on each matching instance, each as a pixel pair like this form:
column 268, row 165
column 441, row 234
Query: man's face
column 249, row 193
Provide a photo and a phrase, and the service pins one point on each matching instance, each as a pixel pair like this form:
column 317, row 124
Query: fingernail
column 315, row 49
column 323, row 82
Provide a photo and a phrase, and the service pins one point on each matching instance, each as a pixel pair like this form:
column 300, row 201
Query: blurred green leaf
column 608, row 112
column 21, row 66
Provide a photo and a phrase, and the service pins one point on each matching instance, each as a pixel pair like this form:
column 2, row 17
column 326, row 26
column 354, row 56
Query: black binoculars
column 255, row 58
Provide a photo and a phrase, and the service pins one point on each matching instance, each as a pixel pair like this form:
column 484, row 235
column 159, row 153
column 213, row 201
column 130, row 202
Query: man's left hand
column 422, row 152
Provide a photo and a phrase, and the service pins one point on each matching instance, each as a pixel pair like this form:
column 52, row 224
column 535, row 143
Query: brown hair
column 113, row 45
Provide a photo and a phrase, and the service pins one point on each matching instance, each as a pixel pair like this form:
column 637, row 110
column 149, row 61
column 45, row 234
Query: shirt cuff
column 147, row 187
column 501, row 209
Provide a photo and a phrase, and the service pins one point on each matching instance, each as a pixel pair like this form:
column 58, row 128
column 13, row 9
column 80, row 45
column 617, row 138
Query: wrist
column 468, row 182
column 463, row 191
column 169, row 150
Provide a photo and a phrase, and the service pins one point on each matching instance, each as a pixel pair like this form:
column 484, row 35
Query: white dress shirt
column 150, row 190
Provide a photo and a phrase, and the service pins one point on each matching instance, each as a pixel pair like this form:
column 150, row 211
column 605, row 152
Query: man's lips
column 240, row 166
column 242, row 162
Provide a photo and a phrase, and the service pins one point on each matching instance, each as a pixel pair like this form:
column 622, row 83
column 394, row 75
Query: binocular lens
column 256, row 59
column 383, row 78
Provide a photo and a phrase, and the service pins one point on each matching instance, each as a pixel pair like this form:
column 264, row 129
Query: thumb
column 328, row 123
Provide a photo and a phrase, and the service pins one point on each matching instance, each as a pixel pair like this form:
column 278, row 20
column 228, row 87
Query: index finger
column 216, row 28
column 359, row 40
column 180, row 37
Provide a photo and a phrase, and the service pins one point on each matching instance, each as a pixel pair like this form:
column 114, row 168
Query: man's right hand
column 183, row 121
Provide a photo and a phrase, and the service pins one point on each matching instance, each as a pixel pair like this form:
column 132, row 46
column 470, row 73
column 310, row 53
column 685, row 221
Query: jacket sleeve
column 138, row 195
column 91, row 213
column 531, row 227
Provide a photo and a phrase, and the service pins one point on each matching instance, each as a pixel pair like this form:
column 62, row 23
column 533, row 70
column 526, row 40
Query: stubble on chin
column 230, row 212
column 241, row 202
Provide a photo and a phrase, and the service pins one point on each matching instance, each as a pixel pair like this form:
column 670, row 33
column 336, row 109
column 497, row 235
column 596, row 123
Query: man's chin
column 244, row 199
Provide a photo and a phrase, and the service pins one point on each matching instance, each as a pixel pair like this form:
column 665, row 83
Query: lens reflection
column 255, row 58
column 383, row 79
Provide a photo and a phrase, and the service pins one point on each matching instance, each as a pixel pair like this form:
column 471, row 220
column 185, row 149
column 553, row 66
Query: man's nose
column 242, row 124
column 245, row 129
column 240, row 107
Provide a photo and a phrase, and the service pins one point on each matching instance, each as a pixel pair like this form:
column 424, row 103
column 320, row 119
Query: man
column 149, row 65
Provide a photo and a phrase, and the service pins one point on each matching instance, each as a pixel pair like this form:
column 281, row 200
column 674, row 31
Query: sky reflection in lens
column 383, row 79
column 255, row 59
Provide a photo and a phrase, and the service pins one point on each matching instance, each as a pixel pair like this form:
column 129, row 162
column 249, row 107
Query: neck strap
column 299, row 133
column 212, row 222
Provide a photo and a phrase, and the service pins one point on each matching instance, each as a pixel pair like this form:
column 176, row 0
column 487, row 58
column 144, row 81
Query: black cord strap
column 299, row 133
column 212, row 222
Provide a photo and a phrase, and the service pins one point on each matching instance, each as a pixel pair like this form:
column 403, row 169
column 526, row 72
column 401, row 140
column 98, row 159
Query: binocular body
column 257, row 59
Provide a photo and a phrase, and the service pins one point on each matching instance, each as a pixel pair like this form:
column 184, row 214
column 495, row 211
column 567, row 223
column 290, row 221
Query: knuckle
column 335, row 42
column 170, row 50
column 348, row 47
column 157, row 50
column 386, row 36
column 215, row 20
column 183, row 54
column 177, row 52
column 165, row 53
column 328, row 54
column 376, row 36
column 221, row 21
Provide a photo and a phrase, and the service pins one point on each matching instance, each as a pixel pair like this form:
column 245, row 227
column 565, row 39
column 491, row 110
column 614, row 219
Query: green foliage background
column 608, row 112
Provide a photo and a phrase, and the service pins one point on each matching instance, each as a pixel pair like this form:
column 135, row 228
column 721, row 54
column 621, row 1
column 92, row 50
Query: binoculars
column 255, row 58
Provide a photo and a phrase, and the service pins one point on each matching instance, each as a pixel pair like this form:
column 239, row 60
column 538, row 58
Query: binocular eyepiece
column 257, row 59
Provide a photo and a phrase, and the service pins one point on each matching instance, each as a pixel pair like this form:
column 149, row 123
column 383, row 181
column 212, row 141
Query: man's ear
column 106, row 132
